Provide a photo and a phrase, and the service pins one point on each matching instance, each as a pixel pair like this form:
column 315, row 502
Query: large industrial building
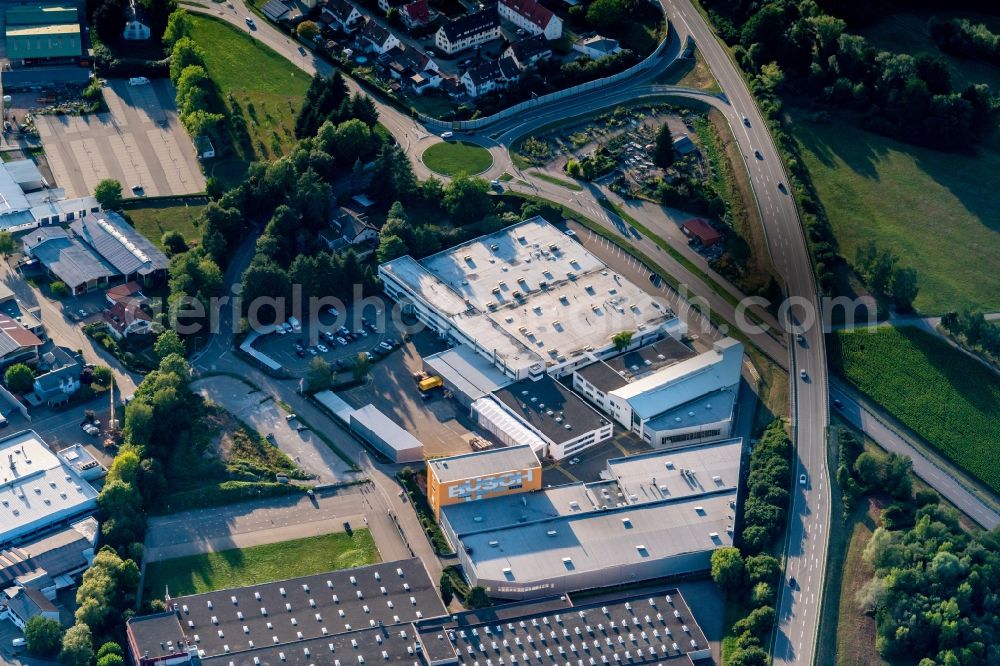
column 42, row 32
column 390, row 614
column 666, row 395
column 475, row 476
column 656, row 515
column 27, row 202
column 529, row 299
column 38, row 492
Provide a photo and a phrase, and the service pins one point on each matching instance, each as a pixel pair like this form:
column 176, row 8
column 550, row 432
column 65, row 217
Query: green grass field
column 936, row 210
column 154, row 222
column 451, row 158
column 268, row 95
column 568, row 184
column 260, row 564
column 935, row 390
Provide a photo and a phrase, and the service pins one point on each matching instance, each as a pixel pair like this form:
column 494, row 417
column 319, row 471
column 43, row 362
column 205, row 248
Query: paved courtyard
column 138, row 141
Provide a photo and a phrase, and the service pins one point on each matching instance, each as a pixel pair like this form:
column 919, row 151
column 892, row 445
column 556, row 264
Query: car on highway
column 803, row 374
column 802, row 479
column 801, row 339
column 302, row 51
column 838, row 404
column 782, row 188
column 322, row 348
column 757, row 154
column 251, row 23
column 746, row 121
column 792, row 583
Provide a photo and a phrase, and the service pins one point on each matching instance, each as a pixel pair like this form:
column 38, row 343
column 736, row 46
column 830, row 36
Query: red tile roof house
column 532, row 17
column 698, row 229
column 415, row 15
column 124, row 320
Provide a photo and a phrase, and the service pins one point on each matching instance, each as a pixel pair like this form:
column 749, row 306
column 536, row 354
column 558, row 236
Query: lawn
column 268, row 95
column 154, row 221
column 935, row 390
column 451, row 158
column 568, row 184
column 238, row 567
column 936, row 210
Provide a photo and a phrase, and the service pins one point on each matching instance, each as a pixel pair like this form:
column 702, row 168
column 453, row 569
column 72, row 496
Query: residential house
column 17, row 344
column 386, row 5
column 51, row 563
column 402, row 62
column 532, row 17
column 376, row 38
column 136, row 23
column 130, row 292
column 490, row 76
column 597, row 47
column 125, row 319
column 424, row 80
column 453, row 87
column 67, row 259
column 340, row 14
column 350, row 229
column 23, row 603
column 528, row 51
column 62, row 379
column 114, row 239
column 468, row 31
column 415, row 15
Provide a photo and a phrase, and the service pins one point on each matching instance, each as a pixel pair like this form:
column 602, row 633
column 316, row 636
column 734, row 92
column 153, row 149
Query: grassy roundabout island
column 451, row 158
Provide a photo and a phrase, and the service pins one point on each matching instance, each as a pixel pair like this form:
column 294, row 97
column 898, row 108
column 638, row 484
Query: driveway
column 261, row 412
column 138, row 141
column 272, row 520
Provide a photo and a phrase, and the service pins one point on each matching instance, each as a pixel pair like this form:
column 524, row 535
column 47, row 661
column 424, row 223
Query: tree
column 111, row 660
column 110, row 648
column 109, row 194
column 174, row 242
column 761, row 594
column 184, row 54
column 903, row 288
column 752, row 656
column 447, row 589
column 108, row 20
column 307, row 31
column 622, row 340
column 663, row 148
column 759, row 622
column 467, row 200
column 178, row 25
column 77, row 646
column 44, row 636
column 868, row 468
column 169, row 343
column 478, row 598
column 607, row 13
column 102, row 375
column 58, row 289
column 361, row 366
column 390, row 247
column 318, row 378
column 763, row 568
column 7, row 246
column 728, row 570
column 19, row 378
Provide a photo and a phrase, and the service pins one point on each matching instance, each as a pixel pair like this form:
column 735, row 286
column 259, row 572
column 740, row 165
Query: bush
column 44, row 636
column 58, row 289
column 19, row 378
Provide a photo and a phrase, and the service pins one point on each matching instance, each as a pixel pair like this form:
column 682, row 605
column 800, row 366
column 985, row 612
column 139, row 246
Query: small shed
column 700, row 230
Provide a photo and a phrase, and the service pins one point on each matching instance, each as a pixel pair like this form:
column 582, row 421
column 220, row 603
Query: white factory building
column 667, row 394
column 38, row 492
column 656, row 515
column 528, row 298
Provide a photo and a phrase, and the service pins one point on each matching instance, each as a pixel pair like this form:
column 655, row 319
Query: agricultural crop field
column 935, row 390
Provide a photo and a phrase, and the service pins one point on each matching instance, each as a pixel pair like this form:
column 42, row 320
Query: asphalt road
column 951, row 488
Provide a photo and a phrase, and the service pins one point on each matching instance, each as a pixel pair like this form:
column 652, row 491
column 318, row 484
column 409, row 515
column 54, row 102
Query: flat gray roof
column 704, row 410
column 617, row 371
column 646, row 624
column 499, row 512
column 551, row 408
column 598, row 540
column 654, row 476
column 482, row 463
column 467, row 371
column 387, row 430
column 69, row 259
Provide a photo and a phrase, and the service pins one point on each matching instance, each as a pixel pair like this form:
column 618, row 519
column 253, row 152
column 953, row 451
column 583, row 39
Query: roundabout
column 451, row 158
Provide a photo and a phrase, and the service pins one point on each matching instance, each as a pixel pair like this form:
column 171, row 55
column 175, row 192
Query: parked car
column 385, row 345
column 138, row 81
column 447, row 135
column 288, row 327
column 333, row 311
column 91, row 430
column 838, row 404
column 322, row 348
column 342, row 341
column 802, row 479
column 301, row 353
column 312, row 351
column 289, row 417
column 298, row 347
column 294, row 323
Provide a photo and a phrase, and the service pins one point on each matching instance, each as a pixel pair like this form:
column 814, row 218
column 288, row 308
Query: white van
column 138, row 81
column 296, row 326
column 19, row 642
column 447, row 135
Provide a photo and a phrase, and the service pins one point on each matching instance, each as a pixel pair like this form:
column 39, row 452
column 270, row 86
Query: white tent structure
column 511, row 431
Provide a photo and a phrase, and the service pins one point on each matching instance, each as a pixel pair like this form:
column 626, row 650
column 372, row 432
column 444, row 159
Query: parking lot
column 294, row 350
column 441, row 424
column 138, row 141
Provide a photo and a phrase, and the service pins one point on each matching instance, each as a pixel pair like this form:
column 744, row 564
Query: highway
column 808, row 531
